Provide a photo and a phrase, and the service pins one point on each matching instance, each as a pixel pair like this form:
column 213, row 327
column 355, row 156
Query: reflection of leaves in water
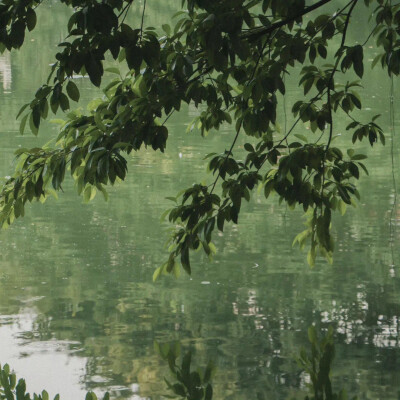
column 196, row 384
column 191, row 385
column 86, row 310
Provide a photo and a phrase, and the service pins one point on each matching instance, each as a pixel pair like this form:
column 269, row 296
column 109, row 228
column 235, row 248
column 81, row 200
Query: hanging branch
column 142, row 21
column 256, row 33
column 335, row 68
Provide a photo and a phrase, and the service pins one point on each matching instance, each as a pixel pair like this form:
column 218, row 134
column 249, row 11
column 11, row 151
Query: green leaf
column 185, row 260
column 134, row 57
column 32, row 125
column 248, row 147
column 343, row 194
column 94, row 69
column 176, row 271
column 64, row 102
column 357, row 57
column 23, row 124
column 359, row 157
column 375, row 117
column 312, row 335
column 72, row 91
column 376, row 60
column 355, row 101
column 354, row 170
column 342, row 207
column 22, row 109
column 301, row 137
column 179, row 389
column 363, row 167
column 13, row 381
column 186, row 362
column 90, row 396
column 17, row 33
column 30, row 19
column 20, row 390
column 220, row 221
column 167, row 29
column 113, row 70
column 157, row 273
column 311, row 257
column 36, row 116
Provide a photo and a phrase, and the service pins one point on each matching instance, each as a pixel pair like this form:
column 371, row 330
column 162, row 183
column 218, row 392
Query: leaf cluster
column 10, row 389
column 230, row 60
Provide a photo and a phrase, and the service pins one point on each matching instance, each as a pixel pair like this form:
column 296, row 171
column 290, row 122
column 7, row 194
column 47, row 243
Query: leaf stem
column 260, row 31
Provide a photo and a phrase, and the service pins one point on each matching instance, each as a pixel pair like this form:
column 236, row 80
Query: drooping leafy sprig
column 229, row 59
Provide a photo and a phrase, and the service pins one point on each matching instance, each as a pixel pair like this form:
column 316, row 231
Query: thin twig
column 240, row 125
column 336, row 15
column 312, row 101
column 260, row 31
column 331, row 86
column 168, row 117
column 392, row 224
column 124, row 10
column 227, row 156
column 142, row 22
column 369, row 36
column 335, row 68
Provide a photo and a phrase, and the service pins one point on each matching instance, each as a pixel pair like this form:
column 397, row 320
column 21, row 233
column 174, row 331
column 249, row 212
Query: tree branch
column 260, row 31
column 142, row 22
column 330, row 83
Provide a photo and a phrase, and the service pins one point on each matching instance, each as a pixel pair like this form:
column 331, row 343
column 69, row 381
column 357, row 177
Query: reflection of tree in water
column 5, row 71
column 250, row 332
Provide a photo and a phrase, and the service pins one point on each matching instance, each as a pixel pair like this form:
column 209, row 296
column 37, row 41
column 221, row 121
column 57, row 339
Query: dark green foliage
column 231, row 58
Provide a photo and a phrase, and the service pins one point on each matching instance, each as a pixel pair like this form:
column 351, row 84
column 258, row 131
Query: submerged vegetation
column 229, row 59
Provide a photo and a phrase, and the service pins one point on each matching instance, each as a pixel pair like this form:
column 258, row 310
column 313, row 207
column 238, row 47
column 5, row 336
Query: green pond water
column 79, row 311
